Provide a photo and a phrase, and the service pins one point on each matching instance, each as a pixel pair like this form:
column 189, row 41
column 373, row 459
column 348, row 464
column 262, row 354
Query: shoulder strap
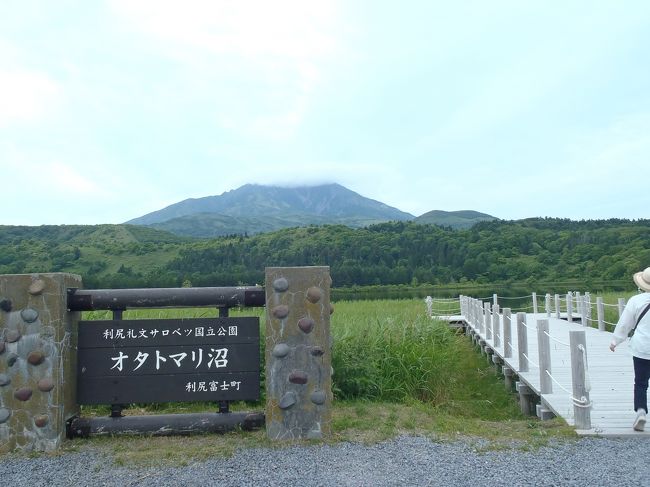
column 645, row 310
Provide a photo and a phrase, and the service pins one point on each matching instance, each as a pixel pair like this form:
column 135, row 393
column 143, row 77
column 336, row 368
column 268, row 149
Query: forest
column 394, row 253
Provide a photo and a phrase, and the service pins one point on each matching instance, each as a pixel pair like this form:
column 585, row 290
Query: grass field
column 395, row 372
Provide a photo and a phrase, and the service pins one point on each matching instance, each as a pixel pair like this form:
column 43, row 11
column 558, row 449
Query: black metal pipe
column 116, row 299
column 164, row 424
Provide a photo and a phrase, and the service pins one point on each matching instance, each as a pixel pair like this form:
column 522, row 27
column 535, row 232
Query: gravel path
column 407, row 460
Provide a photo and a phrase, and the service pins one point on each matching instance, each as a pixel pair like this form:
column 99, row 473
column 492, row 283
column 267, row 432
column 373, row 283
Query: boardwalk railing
column 573, row 306
column 544, row 345
column 494, row 329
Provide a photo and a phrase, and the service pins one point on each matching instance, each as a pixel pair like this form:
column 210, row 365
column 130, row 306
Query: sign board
column 197, row 359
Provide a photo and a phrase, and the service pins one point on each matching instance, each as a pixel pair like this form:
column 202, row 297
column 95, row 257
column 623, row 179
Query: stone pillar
column 38, row 339
column 298, row 353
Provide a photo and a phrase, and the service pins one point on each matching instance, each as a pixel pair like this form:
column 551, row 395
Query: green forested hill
column 388, row 253
column 454, row 219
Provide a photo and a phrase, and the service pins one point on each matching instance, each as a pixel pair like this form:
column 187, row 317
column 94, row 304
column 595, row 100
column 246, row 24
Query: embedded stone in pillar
column 281, row 285
column 29, row 315
column 38, row 365
column 41, row 420
column 299, row 383
column 45, row 385
column 306, row 324
column 281, row 350
column 5, row 304
column 23, row 394
column 5, row 414
column 298, row 377
column 12, row 336
column 37, row 357
column 36, row 287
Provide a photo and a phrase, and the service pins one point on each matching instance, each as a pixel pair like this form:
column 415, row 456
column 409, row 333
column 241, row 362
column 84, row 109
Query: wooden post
column 547, row 305
column 587, row 309
column 507, row 333
column 526, row 399
column 600, row 311
column 535, row 303
column 580, row 310
column 544, row 343
column 494, row 299
column 569, row 307
column 581, row 402
column 557, row 306
column 621, row 306
column 496, row 340
column 522, row 342
column 487, row 321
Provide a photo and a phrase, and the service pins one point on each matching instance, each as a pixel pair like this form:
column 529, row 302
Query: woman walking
column 636, row 317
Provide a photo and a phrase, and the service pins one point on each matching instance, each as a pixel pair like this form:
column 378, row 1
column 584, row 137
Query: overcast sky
column 110, row 110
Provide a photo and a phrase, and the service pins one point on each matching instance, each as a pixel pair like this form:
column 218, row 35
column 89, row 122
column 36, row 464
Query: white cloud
column 255, row 28
column 279, row 48
column 26, row 96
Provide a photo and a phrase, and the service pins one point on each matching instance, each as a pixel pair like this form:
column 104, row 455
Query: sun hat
column 642, row 279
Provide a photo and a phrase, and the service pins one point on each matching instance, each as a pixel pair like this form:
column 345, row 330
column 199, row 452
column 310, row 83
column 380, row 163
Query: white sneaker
column 639, row 422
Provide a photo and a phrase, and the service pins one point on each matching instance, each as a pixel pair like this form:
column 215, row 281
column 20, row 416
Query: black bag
column 645, row 310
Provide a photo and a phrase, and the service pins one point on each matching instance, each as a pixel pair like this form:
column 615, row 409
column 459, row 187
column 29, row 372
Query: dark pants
column 641, row 376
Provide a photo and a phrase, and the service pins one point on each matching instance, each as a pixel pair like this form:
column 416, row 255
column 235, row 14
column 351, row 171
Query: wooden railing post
column 535, row 303
column 487, row 321
column 587, row 309
column 579, row 305
column 581, row 402
column 522, row 342
column 494, row 299
column 495, row 326
column 547, row 305
column 569, row 307
column 600, row 312
column 474, row 313
column 621, row 306
column 557, row 306
column 544, row 343
column 507, row 333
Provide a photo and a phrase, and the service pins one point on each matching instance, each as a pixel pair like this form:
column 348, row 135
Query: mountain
column 255, row 209
column 455, row 219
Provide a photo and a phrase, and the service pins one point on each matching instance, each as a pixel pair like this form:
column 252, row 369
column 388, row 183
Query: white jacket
column 640, row 341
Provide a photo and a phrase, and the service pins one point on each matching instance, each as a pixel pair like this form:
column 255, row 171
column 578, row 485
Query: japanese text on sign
column 214, row 358
column 212, row 386
column 199, row 331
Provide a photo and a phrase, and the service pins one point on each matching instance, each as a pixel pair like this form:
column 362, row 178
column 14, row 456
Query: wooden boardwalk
column 610, row 375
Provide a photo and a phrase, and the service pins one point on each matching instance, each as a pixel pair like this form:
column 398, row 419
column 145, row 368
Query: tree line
column 540, row 249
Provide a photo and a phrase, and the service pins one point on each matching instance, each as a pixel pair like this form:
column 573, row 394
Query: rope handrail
column 523, row 308
column 555, row 339
column 581, row 403
column 530, row 362
column 517, row 297
column 529, row 327
column 559, row 385
column 512, row 347
column 583, row 350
